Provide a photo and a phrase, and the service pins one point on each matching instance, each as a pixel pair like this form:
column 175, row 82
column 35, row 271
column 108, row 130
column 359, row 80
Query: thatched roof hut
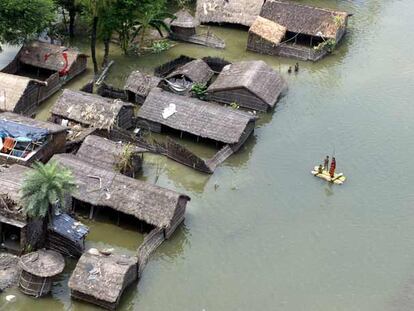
column 38, row 268
column 199, row 118
column 110, row 155
column 250, row 84
column 242, row 12
column 93, row 110
column 184, row 23
column 25, row 140
column 295, row 30
column 101, row 279
column 18, row 94
column 138, row 86
column 303, row 19
column 196, row 71
column 154, row 205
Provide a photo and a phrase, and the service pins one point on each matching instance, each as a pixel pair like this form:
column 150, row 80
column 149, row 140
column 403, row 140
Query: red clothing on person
column 333, row 167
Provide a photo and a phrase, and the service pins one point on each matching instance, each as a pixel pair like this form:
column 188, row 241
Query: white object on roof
column 169, row 111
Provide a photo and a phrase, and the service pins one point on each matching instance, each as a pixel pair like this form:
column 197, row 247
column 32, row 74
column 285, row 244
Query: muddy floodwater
column 262, row 233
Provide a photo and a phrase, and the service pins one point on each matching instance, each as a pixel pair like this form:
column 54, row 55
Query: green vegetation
column 125, row 161
column 234, row 105
column 199, row 90
column 44, row 186
column 327, row 45
column 22, row 19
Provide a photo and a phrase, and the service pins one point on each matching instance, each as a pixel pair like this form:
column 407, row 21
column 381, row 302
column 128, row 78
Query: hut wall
column 247, row 132
column 150, row 244
column 216, row 63
column 148, row 125
column 177, row 219
column 77, row 67
column 106, row 90
column 53, row 85
column 241, row 96
column 29, row 101
column 181, row 31
column 33, row 285
column 125, row 117
column 35, row 235
column 101, row 303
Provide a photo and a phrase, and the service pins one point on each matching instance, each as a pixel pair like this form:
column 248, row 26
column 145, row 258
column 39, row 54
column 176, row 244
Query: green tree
column 73, row 9
column 152, row 14
column 23, row 19
column 95, row 10
column 44, row 186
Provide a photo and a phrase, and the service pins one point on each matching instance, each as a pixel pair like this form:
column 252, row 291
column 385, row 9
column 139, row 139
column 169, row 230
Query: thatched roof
column 184, row 19
column 304, row 19
column 103, row 152
column 88, row 109
column 17, row 118
column 196, row 117
column 43, row 263
column 242, row 12
column 12, row 89
column 255, row 76
column 196, row 71
column 47, row 56
column 11, row 181
column 141, row 83
column 147, row 202
column 268, row 30
column 102, row 277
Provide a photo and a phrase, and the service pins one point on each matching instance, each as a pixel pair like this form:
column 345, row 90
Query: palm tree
column 44, row 186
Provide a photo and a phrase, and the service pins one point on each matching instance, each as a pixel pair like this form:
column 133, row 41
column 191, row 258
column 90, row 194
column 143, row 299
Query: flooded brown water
column 262, row 233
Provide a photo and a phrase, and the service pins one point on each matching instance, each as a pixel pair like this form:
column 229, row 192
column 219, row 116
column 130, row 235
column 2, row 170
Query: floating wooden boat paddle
column 338, row 179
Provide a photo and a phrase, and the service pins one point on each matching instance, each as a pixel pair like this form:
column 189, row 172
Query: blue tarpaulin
column 21, row 131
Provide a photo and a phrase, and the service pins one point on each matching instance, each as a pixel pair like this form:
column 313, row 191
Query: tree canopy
column 22, row 19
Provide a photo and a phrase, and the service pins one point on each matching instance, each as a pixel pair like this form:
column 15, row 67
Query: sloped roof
column 47, row 56
column 197, row 71
column 196, row 117
column 43, row 263
column 141, row 83
column 17, row 118
column 12, row 88
column 242, row 12
column 304, row 19
column 103, row 152
column 146, row 202
column 88, row 109
column 268, row 30
column 184, row 19
column 255, row 76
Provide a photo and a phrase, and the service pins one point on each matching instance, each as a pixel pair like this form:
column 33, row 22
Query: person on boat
column 326, row 163
column 320, row 169
column 333, row 167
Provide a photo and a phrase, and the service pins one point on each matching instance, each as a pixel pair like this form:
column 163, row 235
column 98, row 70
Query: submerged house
column 249, row 84
column 298, row 31
column 16, row 231
column 151, row 206
column 241, row 12
column 101, row 279
column 86, row 113
column 184, row 77
column 19, row 94
column 110, row 155
column 38, row 270
column 53, row 65
column 24, row 140
column 138, row 86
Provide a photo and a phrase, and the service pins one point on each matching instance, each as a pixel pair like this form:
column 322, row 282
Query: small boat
column 338, row 179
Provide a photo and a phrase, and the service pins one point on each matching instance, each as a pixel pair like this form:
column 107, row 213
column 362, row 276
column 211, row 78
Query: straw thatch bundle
column 196, row 71
column 93, row 110
column 268, row 30
column 242, row 12
column 101, row 279
column 196, row 117
column 305, row 19
column 251, row 84
column 99, row 187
